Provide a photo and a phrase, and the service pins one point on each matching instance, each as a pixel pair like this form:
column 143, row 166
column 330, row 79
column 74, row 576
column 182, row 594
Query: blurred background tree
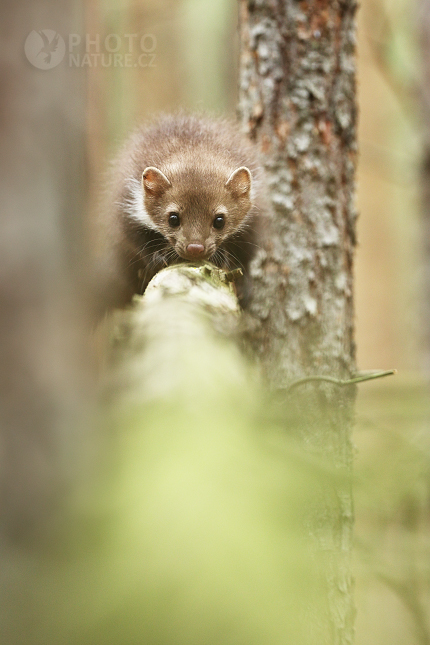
column 388, row 291
column 424, row 94
column 43, row 271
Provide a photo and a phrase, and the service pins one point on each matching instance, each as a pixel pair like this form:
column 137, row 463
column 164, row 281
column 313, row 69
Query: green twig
column 357, row 378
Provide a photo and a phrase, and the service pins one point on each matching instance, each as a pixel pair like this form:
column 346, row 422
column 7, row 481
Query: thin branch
column 359, row 377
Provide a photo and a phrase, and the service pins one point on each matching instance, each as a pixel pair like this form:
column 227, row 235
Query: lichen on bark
column 297, row 102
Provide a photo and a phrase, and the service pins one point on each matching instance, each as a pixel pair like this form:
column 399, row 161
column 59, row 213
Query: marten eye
column 174, row 220
column 219, row 222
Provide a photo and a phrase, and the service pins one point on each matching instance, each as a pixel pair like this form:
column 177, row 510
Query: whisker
column 170, row 257
column 217, row 258
column 224, row 260
column 232, row 259
column 235, row 236
column 151, row 244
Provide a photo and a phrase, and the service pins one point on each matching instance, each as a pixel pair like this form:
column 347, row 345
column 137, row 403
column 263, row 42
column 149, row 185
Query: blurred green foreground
column 196, row 526
column 392, row 501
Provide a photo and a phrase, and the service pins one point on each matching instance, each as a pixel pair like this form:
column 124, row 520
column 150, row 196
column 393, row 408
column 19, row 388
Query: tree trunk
column 297, row 102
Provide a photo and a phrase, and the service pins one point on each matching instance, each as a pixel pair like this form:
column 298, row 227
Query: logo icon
column 44, row 49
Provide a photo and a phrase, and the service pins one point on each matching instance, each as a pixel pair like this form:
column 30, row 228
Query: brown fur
column 194, row 166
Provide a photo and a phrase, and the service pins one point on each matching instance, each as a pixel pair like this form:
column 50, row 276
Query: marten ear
column 239, row 182
column 154, row 182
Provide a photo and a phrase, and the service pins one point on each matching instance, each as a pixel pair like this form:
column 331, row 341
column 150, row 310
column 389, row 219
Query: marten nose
column 195, row 250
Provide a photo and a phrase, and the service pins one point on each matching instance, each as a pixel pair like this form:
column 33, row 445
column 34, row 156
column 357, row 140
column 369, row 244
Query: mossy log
column 193, row 526
column 209, row 494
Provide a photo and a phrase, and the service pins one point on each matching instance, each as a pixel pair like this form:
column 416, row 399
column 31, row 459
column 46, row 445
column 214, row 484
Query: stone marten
column 184, row 188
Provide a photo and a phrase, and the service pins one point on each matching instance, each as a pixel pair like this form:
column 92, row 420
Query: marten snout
column 195, row 250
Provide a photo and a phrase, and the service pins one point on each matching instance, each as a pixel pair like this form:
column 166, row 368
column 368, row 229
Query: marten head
column 194, row 208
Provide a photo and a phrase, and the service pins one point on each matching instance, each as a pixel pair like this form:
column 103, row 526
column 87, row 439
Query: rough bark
column 297, row 102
